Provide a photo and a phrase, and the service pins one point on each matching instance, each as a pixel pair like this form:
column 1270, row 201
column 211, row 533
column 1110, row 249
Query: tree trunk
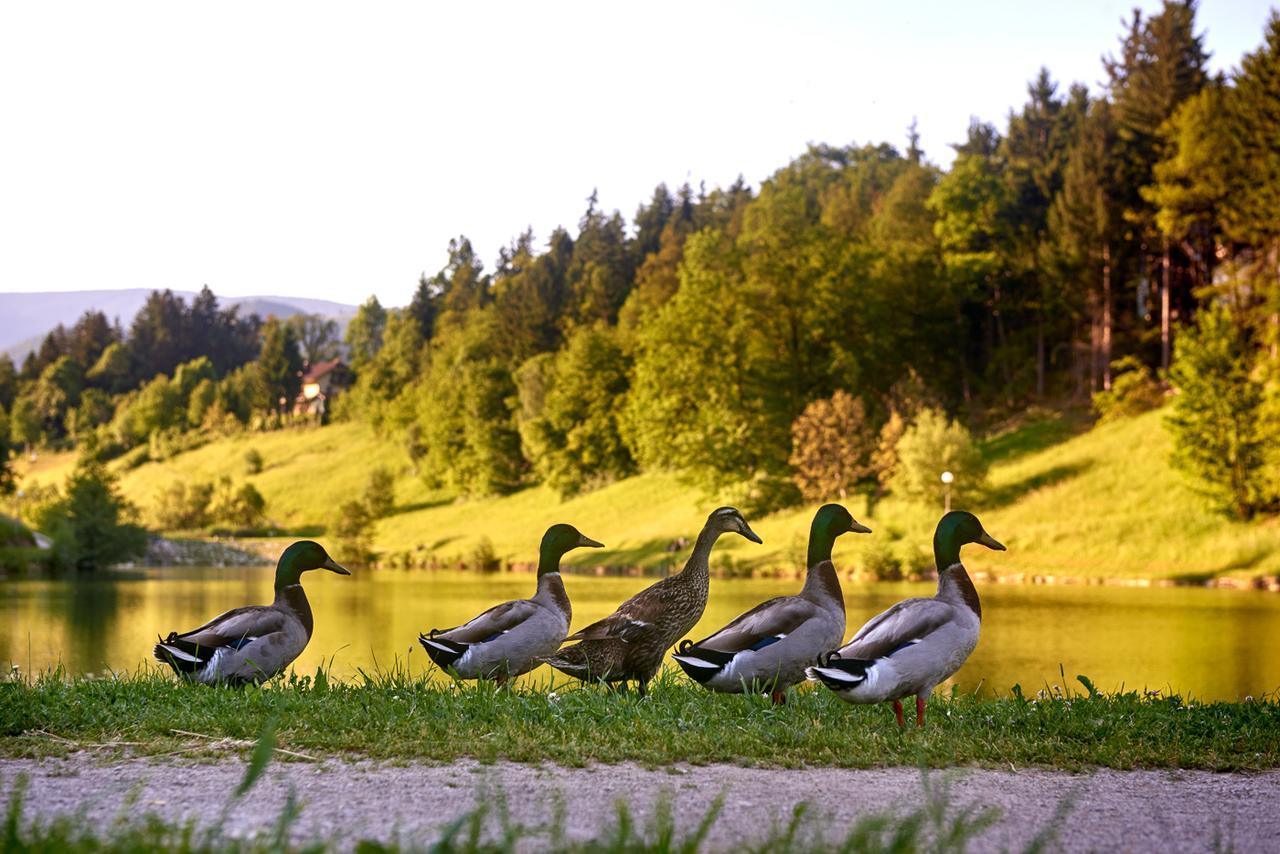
column 1106, row 317
column 1165, row 281
column 1040, row 366
column 1095, row 341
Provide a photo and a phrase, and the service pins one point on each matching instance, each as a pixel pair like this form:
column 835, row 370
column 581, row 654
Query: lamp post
column 947, row 477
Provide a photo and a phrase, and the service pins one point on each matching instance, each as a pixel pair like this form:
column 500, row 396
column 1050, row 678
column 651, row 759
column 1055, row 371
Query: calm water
column 1211, row 644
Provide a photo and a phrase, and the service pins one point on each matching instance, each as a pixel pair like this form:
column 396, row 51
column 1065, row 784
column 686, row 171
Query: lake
column 1209, row 644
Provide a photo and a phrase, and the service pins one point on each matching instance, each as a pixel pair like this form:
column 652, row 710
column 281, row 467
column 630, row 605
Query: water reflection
column 1212, row 644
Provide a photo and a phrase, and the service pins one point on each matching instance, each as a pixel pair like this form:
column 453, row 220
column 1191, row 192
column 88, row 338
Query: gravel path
column 1108, row 810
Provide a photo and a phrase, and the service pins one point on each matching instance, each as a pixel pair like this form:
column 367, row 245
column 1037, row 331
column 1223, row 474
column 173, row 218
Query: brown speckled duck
column 629, row 644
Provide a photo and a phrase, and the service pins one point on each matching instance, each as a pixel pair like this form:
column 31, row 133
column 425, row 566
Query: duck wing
column 189, row 652
column 906, row 623
column 763, row 625
column 491, row 623
column 634, row 617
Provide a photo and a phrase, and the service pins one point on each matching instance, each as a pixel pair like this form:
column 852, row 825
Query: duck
column 916, row 644
column 509, row 639
column 252, row 644
column 767, row 648
column 628, row 645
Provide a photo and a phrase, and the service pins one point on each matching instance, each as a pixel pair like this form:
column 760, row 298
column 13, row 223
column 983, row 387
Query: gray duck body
column 768, row 648
column 916, row 644
column 243, row 646
column 508, row 640
column 253, row 644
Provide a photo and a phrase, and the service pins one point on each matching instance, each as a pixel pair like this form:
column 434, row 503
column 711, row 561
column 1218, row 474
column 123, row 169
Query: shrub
column 380, row 494
column 252, row 461
column 1216, row 424
column 1133, row 391
column 931, row 446
column 238, row 508
column 90, row 525
column 831, row 447
column 879, row 562
column 484, row 558
column 183, row 508
column 352, row 529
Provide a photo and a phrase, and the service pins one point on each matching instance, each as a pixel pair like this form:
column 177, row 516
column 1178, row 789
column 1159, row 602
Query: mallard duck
column 767, row 648
column 255, row 643
column 508, row 639
column 917, row 643
column 629, row 644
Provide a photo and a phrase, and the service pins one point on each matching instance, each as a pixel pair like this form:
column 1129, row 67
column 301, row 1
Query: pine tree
column 1215, row 420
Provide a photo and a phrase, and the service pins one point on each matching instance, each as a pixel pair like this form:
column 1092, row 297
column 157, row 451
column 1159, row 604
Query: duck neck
column 698, row 564
column 821, row 542
column 954, row 583
column 551, row 593
column 293, row 598
column 822, row 585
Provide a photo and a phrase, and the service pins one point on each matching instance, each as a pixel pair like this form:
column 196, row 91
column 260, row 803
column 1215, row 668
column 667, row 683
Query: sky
column 332, row 150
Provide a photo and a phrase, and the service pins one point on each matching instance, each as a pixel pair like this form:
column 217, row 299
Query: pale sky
column 332, row 150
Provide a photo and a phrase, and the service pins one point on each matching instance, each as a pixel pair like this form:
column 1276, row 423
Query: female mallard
column 508, row 639
column 255, row 643
column 629, row 643
column 767, row 648
column 917, row 643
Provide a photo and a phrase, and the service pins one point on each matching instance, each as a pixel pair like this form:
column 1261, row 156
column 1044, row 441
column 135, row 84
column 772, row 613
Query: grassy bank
column 1098, row 504
column 392, row 717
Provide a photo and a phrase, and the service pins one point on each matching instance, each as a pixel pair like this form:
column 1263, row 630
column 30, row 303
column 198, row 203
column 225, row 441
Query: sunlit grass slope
column 1103, row 504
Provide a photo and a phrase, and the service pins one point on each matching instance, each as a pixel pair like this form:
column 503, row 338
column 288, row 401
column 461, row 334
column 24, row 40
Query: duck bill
column 586, row 542
column 990, row 542
column 859, row 528
column 333, row 566
column 750, row 534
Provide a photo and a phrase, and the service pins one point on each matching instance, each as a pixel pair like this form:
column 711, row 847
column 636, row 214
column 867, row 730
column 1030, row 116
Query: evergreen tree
column 364, row 332
column 90, row 525
column 1215, row 421
column 8, row 381
column 279, row 367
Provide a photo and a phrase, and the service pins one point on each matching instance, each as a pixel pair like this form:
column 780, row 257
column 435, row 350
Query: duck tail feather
column 443, row 652
column 701, row 664
column 839, row 674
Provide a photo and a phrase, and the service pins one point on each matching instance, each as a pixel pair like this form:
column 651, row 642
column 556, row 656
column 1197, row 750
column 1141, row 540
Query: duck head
column 829, row 522
column 725, row 520
column 302, row 556
column 556, row 541
column 958, row 528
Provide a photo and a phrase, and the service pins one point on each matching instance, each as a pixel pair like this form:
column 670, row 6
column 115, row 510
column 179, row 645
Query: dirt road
column 346, row 802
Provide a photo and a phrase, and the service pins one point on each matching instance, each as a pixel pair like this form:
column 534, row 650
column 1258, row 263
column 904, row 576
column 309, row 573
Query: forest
column 843, row 327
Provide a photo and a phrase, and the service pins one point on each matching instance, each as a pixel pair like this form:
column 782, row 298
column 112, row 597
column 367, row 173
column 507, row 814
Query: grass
column 1097, row 504
column 390, row 716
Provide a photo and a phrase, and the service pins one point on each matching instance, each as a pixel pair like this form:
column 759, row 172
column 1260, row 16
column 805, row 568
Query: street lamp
column 947, row 477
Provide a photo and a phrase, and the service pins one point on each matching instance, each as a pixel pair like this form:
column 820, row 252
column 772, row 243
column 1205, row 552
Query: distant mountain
column 25, row 318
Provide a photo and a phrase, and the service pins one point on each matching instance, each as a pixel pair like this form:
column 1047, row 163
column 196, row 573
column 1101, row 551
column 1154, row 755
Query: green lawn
column 393, row 716
column 1099, row 504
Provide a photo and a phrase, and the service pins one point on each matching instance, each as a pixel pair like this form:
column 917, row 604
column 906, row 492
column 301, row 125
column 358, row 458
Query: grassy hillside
column 1101, row 504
